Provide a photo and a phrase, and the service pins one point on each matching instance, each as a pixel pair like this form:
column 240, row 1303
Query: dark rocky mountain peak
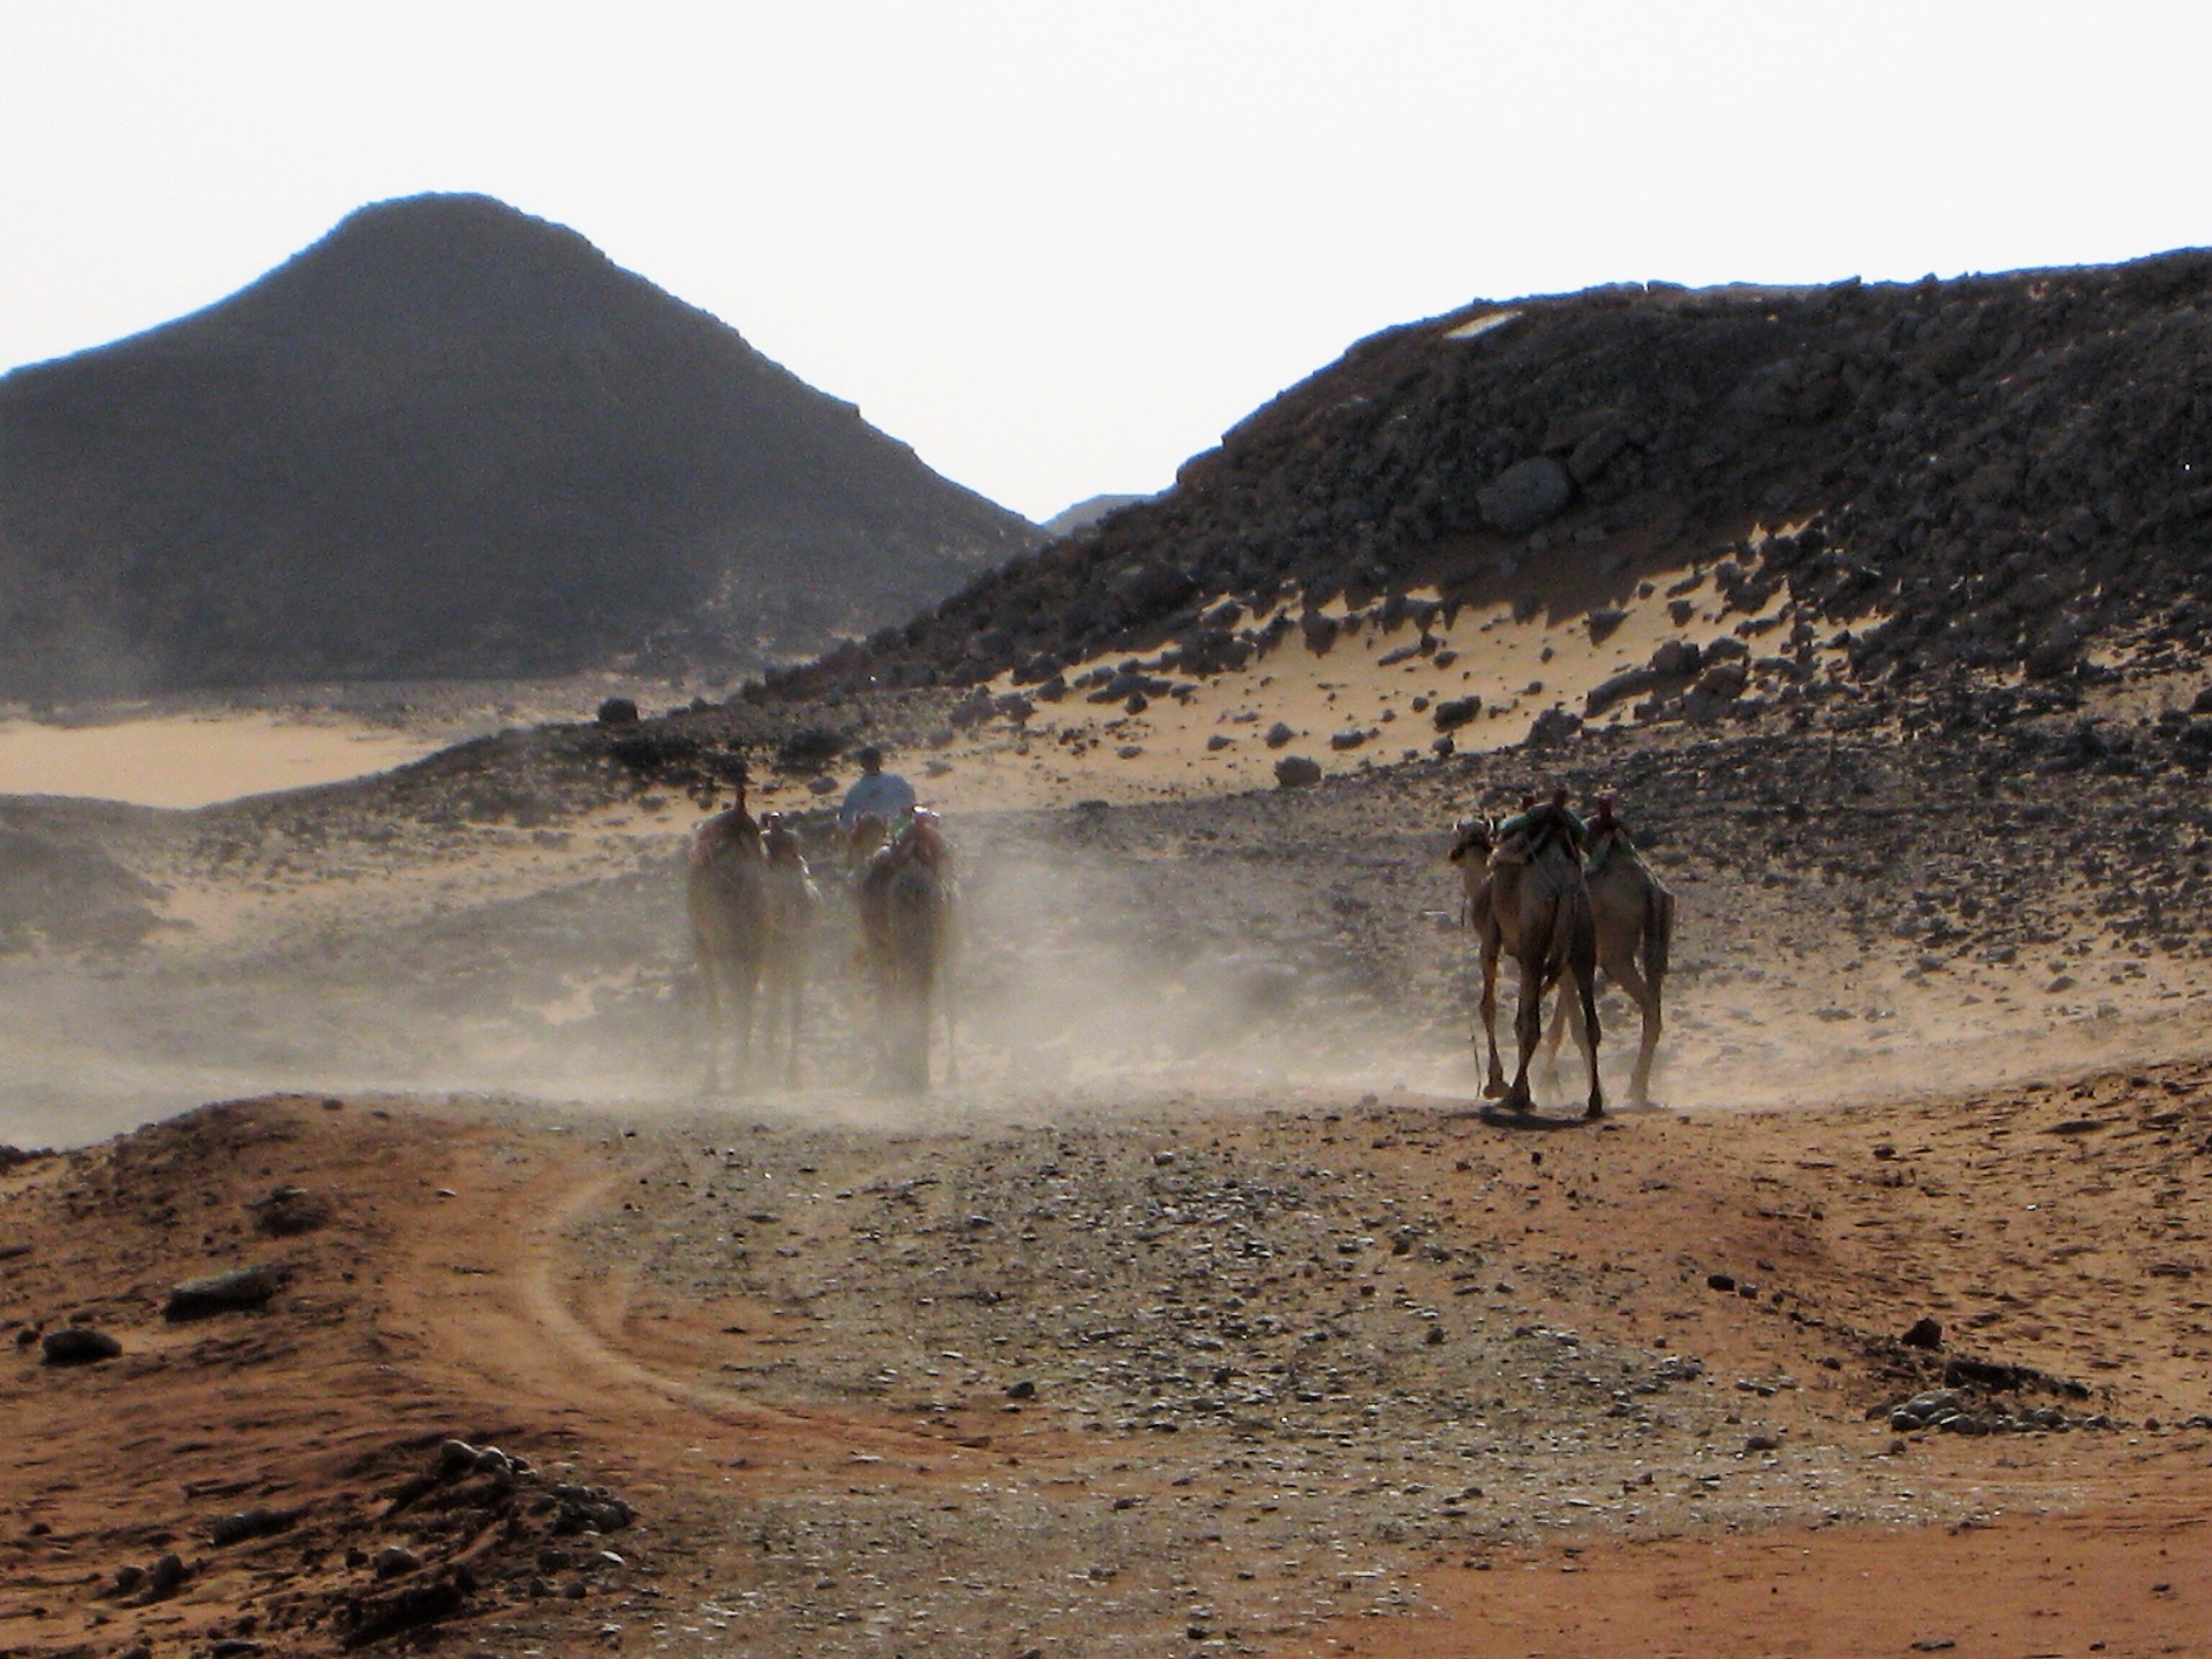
column 450, row 439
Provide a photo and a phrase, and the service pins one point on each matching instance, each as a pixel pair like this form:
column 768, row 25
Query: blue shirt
column 886, row 795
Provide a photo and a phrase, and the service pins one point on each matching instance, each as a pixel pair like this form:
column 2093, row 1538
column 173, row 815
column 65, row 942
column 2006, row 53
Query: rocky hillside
column 1997, row 474
column 450, row 439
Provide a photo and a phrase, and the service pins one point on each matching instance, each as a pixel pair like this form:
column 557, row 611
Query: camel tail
column 1658, row 934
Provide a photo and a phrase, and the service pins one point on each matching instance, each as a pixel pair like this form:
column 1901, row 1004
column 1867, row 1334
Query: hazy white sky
column 1057, row 248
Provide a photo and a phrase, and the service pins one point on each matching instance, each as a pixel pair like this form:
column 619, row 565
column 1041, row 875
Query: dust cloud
column 1276, row 948
column 1083, row 978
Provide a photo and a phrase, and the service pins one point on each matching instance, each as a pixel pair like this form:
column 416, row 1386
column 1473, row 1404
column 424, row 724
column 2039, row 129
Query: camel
column 793, row 906
column 1530, row 904
column 750, row 920
column 1634, row 915
column 908, row 905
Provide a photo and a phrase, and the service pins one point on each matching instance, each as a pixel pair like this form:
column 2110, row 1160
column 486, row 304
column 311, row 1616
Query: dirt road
column 1327, row 1379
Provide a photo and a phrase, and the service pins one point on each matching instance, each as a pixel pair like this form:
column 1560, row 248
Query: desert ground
column 1208, row 1310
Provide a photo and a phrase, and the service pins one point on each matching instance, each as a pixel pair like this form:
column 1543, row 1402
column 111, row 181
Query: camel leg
column 1528, row 1030
column 913, row 1038
column 1567, row 1017
column 1494, row 1087
column 795, row 1022
column 742, row 1015
column 710, row 1018
column 924, row 1017
column 1646, row 998
column 947, row 943
column 1582, row 985
column 877, row 989
column 1548, row 1058
column 951, row 1046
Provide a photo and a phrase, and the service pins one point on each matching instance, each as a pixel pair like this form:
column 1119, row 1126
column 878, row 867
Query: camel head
column 1472, row 841
column 780, row 840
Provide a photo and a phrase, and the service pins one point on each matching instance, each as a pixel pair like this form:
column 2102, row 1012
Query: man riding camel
column 878, row 794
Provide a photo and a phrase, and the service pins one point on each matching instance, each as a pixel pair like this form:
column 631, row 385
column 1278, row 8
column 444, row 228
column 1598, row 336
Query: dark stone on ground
column 1925, row 1334
column 78, row 1344
column 225, row 1293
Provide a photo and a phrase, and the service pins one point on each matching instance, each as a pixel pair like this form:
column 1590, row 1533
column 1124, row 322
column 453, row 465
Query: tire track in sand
column 538, row 1339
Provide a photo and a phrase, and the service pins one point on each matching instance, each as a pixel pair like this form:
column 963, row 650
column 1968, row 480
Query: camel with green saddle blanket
column 1526, row 899
column 1634, row 915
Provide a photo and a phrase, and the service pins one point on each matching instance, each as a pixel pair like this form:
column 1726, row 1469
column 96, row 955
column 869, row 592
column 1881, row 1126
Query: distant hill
column 1084, row 513
column 450, row 439
column 1958, row 483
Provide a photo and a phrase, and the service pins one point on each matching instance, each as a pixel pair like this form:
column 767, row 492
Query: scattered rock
column 1456, row 713
column 1525, row 495
column 1723, row 681
column 288, row 1210
column 366, row 1618
column 225, row 1293
column 580, row 1508
column 394, row 1559
column 259, row 1522
column 1553, row 727
column 166, row 1577
column 78, row 1344
column 618, row 711
column 1297, row 772
column 1925, row 1334
column 1631, row 683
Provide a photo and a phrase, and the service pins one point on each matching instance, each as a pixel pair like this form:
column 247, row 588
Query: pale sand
column 1072, row 750
column 186, row 760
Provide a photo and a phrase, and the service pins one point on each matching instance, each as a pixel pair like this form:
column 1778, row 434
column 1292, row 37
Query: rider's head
column 871, row 759
column 1558, row 798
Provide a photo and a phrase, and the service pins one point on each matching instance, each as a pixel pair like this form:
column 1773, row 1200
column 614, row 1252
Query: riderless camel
column 751, row 908
column 1525, row 900
column 793, row 907
column 1634, row 914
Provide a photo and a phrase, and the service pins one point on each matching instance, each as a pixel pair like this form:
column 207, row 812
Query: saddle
column 1524, row 838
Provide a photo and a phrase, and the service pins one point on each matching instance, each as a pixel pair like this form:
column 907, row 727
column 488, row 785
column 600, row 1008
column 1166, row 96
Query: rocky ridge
column 1984, row 476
